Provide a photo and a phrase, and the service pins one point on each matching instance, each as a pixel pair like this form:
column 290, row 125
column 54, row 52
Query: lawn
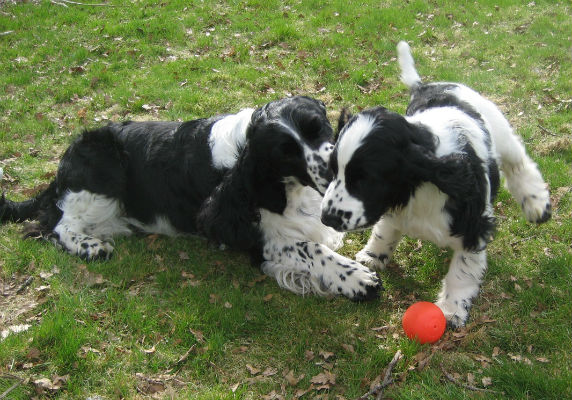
column 179, row 318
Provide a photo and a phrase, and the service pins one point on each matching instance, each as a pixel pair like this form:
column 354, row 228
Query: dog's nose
column 330, row 220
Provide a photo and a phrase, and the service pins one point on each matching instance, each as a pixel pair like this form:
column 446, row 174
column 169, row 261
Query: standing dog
column 248, row 180
column 432, row 174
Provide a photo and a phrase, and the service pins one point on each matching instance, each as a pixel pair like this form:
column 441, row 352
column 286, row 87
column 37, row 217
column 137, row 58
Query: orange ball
column 424, row 322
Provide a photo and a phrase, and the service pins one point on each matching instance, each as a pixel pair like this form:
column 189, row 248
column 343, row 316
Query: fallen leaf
column 326, row 354
column 234, row 387
column 213, row 298
column 33, row 354
column 183, row 256
column 309, row 355
column 187, row 275
column 150, row 351
column 291, row 378
column 496, row 351
column 252, row 370
column 348, row 347
column 324, row 378
column 470, row 378
column 270, row 371
column 227, row 304
column 487, row 381
column 241, row 349
column 198, row 335
column 542, row 359
column 268, row 297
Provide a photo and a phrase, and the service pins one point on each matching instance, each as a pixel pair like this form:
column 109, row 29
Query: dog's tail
column 409, row 75
column 29, row 209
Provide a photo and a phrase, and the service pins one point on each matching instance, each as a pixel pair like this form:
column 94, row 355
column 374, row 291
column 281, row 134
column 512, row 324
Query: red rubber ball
column 424, row 322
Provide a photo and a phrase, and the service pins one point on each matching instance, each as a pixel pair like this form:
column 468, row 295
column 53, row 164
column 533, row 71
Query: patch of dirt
column 18, row 303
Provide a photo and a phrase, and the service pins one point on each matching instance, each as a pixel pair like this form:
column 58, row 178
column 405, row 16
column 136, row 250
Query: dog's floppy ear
column 453, row 174
column 345, row 116
column 230, row 214
column 462, row 177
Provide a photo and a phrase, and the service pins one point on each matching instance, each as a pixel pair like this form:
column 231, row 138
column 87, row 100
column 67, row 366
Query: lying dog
column 248, row 180
column 433, row 175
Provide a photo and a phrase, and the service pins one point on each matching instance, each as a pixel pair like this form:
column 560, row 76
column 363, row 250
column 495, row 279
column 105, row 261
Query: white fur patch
column 227, row 136
column 351, row 140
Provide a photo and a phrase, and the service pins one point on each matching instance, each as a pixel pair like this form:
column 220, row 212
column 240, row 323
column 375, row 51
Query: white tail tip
column 409, row 75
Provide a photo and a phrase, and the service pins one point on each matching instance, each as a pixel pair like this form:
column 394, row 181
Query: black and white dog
column 432, row 174
column 251, row 181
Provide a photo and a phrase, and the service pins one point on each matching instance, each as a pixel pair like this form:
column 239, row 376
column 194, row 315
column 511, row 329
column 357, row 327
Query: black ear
column 345, row 116
column 453, row 174
column 462, row 177
column 229, row 216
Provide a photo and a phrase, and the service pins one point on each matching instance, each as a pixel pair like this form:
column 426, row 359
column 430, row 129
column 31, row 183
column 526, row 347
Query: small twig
column 543, row 129
column 11, row 388
column 522, row 239
column 450, row 378
column 24, row 285
column 377, row 390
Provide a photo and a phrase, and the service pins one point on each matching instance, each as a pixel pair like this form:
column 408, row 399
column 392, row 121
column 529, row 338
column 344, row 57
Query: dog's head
column 378, row 162
column 287, row 139
column 292, row 138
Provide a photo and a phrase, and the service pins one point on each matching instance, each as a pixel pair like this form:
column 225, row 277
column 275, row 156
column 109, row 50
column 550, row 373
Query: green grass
column 118, row 329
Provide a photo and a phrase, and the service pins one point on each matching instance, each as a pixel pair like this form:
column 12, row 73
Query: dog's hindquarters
column 523, row 179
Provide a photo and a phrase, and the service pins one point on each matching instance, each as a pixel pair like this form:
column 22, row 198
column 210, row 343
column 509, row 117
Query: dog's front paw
column 354, row 281
column 537, row 207
column 91, row 249
column 377, row 262
column 456, row 312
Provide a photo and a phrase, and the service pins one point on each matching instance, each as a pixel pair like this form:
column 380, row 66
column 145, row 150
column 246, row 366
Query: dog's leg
column 307, row 267
column 461, row 285
column 523, row 179
column 380, row 246
column 88, row 222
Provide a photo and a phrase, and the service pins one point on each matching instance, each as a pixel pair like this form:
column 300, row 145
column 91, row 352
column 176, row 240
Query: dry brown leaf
column 187, row 275
column 227, row 304
column 542, row 359
column 348, row 347
column 213, row 298
column 496, row 351
column 291, row 378
column 252, row 370
column 471, row 378
column 309, row 355
column 241, row 349
column 268, row 297
column 326, row 354
column 324, row 378
column 487, row 381
column 198, row 335
column 150, row 351
column 183, row 256
column 270, row 371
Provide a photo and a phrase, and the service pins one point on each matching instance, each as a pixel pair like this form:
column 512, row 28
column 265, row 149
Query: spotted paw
column 456, row 312
column 354, row 281
column 377, row 262
column 92, row 249
column 537, row 207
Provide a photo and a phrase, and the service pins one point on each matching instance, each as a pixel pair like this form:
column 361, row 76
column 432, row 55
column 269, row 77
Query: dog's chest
column 425, row 217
